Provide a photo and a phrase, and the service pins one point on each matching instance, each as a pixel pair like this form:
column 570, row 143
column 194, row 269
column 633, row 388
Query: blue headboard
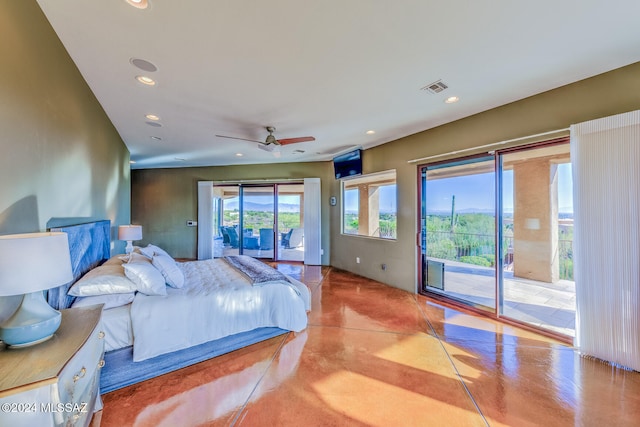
column 90, row 246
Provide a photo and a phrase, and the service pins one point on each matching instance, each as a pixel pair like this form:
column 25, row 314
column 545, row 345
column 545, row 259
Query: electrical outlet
column 357, row 260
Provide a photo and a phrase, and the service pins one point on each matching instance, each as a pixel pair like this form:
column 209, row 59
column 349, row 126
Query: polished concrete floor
column 377, row 356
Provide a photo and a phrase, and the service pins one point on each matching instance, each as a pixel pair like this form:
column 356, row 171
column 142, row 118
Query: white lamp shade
column 130, row 232
column 33, row 262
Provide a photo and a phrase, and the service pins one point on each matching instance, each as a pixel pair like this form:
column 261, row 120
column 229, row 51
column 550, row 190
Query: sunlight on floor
column 415, row 352
column 359, row 397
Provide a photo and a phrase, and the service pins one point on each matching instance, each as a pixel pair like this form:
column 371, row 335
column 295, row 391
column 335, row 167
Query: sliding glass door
column 537, row 216
column 261, row 220
column 497, row 231
column 458, row 229
column 258, row 220
column 290, row 235
column 226, row 212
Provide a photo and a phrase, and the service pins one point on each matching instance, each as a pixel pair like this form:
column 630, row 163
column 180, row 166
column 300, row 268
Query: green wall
column 163, row 200
column 62, row 160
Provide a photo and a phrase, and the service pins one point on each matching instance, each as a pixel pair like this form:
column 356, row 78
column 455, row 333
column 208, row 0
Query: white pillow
column 146, row 277
column 109, row 301
column 169, row 269
column 103, row 280
column 152, row 250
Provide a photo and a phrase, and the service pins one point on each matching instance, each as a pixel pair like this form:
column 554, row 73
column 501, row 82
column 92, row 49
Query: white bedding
column 216, row 301
column 116, row 324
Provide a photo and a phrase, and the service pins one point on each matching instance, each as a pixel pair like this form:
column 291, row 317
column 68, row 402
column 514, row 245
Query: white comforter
column 216, row 301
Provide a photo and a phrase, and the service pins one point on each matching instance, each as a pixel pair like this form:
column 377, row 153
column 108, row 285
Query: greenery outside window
column 369, row 205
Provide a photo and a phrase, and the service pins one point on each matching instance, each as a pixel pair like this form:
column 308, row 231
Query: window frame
column 382, row 178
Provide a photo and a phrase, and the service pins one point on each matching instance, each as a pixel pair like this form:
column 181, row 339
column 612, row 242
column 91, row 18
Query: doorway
column 264, row 221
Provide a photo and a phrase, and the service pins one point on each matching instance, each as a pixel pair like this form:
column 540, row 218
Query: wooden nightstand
column 55, row 383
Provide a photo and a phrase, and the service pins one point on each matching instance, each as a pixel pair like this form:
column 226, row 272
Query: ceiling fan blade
column 286, row 141
column 241, row 139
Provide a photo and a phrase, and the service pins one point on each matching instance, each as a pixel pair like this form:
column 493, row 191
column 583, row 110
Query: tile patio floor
column 548, row 305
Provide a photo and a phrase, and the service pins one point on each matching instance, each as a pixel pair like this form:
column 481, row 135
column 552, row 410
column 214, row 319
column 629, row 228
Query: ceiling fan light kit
column 265, row 147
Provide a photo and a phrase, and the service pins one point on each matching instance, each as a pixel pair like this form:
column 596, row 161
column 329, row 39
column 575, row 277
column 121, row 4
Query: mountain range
column 262, row 207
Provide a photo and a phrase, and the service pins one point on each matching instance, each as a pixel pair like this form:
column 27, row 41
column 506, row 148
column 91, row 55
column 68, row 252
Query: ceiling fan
column 271, row 142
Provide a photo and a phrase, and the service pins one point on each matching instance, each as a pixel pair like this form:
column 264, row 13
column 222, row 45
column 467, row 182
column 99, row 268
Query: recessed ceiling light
column 157, row 138
column 239, row 154
column 370, row 132
column 451, row 100
column 140, row 4
column 152, row 117
column 146, row 80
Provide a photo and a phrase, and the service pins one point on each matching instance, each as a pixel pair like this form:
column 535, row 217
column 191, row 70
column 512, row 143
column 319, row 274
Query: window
column 369, row 205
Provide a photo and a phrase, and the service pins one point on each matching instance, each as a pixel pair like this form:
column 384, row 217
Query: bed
column 202, row 309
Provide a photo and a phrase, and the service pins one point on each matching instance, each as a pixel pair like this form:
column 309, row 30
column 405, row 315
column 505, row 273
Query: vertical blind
column 605, row 156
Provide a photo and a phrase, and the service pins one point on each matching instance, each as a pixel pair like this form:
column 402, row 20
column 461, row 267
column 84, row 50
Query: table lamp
column 129, row 233
column 29, row 264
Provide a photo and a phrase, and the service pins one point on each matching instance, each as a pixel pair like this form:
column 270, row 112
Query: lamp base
column 29, row 344
column 129, row 248
column 33, row 322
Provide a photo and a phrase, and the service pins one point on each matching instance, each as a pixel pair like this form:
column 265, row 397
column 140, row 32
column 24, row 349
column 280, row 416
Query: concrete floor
column 376, row 356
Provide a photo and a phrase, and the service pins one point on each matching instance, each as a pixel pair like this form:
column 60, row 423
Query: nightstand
column 54, row 383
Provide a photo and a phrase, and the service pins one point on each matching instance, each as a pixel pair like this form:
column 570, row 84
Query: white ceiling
column 332, row 69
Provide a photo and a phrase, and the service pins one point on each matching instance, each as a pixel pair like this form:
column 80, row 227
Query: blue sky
column 473, row 192
column 388, row 199
column 476, row 192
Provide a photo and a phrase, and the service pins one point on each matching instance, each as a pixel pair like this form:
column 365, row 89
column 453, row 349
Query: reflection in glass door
column 458, row 231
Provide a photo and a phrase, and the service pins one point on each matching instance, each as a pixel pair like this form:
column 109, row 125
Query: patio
column 550, row 306
column 284, row 254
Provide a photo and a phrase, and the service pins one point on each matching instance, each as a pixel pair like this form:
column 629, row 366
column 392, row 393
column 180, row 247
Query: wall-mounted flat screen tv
column 348, row 164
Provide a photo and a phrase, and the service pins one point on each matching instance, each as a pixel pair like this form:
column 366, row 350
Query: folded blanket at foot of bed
column 256, row 271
